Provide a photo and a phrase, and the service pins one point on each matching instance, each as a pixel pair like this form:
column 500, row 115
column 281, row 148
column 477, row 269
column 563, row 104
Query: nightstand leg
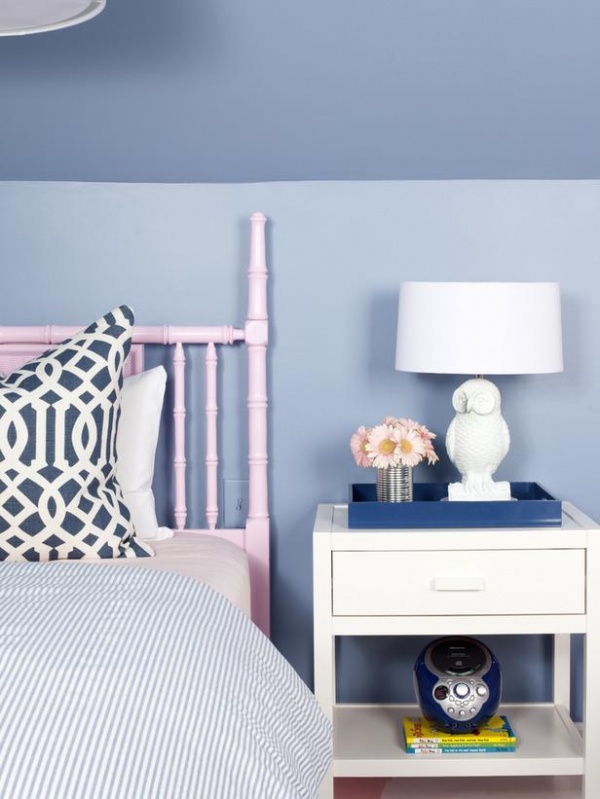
column 324, row 643
column 562, row 671
column 591, row 695
column 325, row 693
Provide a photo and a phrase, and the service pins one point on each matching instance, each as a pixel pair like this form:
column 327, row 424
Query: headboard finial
column 257, row 270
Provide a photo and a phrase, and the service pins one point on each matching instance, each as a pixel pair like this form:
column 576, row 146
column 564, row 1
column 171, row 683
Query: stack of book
column 424, row 738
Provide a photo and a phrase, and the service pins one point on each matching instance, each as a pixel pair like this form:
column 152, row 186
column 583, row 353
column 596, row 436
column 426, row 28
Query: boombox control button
column 461, row 712
column 461, row 689
column 481, row 690
column 440, row 692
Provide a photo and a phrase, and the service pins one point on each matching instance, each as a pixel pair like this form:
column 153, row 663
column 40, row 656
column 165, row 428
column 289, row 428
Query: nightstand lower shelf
column 368, row 742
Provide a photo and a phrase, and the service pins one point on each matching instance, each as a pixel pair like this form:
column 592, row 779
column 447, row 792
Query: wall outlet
column 235, row 503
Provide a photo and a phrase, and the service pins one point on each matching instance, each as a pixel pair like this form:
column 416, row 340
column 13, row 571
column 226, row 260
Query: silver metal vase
column 395, row 484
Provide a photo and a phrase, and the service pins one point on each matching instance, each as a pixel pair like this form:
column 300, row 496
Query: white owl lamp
column 477, row 329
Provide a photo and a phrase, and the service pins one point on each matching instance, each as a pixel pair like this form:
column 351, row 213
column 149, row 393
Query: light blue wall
column 337, row 252
column 233, row 90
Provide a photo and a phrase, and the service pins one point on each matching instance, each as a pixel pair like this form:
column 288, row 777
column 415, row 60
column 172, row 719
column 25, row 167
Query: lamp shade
column 479, row 328
column 18, row 17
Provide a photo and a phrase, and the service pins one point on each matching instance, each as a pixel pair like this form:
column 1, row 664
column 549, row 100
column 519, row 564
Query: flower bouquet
column 393, row 448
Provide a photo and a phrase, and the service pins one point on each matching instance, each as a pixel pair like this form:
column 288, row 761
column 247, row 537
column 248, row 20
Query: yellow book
column 418, row 731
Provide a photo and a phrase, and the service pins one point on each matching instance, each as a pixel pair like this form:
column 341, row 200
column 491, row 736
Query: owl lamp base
column 477, row 441
column 494, row 492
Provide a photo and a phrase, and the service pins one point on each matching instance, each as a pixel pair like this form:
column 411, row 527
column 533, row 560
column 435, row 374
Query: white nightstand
column 461, row 582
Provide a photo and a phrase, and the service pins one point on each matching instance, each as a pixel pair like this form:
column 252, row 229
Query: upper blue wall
column 231, row 90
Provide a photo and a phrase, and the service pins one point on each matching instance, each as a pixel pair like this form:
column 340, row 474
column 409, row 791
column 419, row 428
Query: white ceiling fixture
column 19, row 17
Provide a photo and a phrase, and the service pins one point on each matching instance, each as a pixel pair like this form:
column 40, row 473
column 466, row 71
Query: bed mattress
column 212, row 560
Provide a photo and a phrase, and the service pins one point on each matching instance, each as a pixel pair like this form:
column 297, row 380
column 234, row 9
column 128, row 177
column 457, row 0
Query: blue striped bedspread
column 136, row 684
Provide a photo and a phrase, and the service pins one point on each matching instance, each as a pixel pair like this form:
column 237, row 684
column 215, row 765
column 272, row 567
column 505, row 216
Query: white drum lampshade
column 479, row 329
column 20, row 17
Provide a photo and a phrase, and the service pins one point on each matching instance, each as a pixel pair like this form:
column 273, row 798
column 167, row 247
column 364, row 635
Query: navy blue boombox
column 458, row 683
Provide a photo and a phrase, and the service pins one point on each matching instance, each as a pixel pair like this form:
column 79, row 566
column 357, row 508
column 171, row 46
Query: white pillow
column 142, row 399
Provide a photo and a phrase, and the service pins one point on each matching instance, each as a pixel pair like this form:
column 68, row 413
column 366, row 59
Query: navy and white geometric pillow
column 59, row 498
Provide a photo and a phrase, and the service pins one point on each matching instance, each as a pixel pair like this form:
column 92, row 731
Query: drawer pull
column 459, row 584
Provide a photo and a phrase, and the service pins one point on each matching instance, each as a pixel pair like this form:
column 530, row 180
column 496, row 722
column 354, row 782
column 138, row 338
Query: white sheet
column 205, row 557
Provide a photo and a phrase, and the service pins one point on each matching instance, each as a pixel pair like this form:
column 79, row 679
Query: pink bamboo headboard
column 18, row 344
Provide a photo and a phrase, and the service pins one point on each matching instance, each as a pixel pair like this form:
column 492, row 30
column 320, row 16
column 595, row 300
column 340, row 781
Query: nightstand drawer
column 412, row 583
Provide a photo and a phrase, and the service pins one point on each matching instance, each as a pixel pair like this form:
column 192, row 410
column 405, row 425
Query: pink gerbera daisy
column 383, row 446
column 408, row 423
column 425, row 434
column 430, row 453
column 394, row 442
column 358, row 445
column 411, row 447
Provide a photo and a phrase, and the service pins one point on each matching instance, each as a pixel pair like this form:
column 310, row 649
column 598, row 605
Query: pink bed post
column 179, row 461
column 257, row 336
column 212, row 457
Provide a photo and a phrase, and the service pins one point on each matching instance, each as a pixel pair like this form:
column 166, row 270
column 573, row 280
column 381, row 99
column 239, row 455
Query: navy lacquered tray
column 531, row 506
